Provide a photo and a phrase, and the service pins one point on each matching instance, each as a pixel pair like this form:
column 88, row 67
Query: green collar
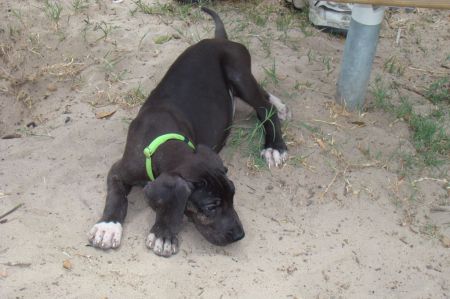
column 153, row 146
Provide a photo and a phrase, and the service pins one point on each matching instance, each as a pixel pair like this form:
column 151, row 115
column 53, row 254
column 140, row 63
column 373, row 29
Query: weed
column 430, row 139
column 304, row 23
column 18, row 14
column 135, row 96
column 156, row 9
column 266, row 44
column 104, row 28
column 249, row 139
column 79, row 5
column 392, row 66
column 53, row 11
column 310, row 128
column 408, row 160
column 311, row 56
column 284, row 23
column 439, row 91
column 326, row 60
column 381, row 95
column 271, row 75
column 109, row 66
column 430, row 230
column 142, row 38
column 404, row 110
column 258, row 18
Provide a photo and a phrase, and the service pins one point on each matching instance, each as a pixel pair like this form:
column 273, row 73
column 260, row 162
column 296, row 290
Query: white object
column 330, row 14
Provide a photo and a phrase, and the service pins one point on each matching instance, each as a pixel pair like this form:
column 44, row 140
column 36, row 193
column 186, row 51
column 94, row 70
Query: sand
column 340, row 220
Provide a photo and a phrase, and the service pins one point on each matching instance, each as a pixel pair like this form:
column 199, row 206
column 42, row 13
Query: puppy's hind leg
column 107, row 233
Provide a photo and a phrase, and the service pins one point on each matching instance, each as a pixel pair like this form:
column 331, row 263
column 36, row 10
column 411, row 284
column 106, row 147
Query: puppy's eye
column 211, row 208
column 200, row 185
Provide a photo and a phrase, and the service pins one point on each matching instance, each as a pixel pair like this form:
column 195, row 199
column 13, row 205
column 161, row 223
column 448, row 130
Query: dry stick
column 439, row 4
column 10, row 211
column 332, row 182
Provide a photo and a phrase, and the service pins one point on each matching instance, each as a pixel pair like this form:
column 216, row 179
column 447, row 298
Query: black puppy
column 175, row 138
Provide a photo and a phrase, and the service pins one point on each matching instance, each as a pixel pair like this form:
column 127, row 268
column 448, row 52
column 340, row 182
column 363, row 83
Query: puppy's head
column 210, row 204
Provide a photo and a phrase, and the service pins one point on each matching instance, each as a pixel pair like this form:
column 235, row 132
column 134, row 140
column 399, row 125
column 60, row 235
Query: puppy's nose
column 238, row 234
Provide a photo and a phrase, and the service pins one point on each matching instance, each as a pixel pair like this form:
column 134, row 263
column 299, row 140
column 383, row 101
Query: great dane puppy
column 173, row 143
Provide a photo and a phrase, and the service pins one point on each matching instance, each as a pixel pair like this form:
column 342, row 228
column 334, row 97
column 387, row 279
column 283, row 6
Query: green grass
column 79, row 5
column 271, row 75
column 135, row 96
column 156, row 9
column 392, row 66
column 109, row 67
column 381, row 95
column 439, row 91
column 250, row 139
column 104, row 28
column 53, row 11
column 429, row 137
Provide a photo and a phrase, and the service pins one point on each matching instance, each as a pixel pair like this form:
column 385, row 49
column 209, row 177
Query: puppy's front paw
column 274, row 157
column 161, row 246
column 105, row 235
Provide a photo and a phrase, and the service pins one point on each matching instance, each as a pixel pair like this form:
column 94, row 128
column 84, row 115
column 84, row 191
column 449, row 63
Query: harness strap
column 153, row 146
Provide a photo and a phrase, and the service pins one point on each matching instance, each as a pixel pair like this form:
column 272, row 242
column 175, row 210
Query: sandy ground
column 341, row 220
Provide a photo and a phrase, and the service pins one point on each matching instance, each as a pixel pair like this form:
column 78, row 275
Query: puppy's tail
column 220, row 28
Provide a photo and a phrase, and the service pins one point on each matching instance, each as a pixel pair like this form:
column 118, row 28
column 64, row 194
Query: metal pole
column 360, row 47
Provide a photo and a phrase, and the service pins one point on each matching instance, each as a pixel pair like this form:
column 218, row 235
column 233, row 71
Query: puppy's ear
column 205, row 163
column 167, row 190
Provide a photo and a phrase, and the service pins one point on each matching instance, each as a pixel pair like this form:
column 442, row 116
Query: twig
column 332, row 182
column 12, row 210
column 19, row 264
column 426, row 71
column 430, row 179
column 399, row 33
column 439, row 209
column 413, row 90
column 329, row 123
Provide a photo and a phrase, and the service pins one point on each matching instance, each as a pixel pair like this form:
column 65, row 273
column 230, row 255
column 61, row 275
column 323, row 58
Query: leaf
column 162, row 39
column 104, row 114
column 445, row 241
column 321, row 144
column 359, row 123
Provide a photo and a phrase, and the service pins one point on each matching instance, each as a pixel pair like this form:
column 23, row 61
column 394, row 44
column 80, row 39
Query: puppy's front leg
column 167, row 195
column 107, row 233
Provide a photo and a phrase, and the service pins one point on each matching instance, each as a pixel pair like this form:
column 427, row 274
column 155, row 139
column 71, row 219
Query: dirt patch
column 356, row 212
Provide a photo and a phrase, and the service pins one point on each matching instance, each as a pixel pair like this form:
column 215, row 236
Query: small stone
column 67, row 265
column 51, row 87
column 445, row 241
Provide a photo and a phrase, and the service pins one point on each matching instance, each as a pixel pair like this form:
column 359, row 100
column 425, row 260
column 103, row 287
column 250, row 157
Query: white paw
column 105, row 235
column 162, row 247
column 273, row 157
column 283, row 111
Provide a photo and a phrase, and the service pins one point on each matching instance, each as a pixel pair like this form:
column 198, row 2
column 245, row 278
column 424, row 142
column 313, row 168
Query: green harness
column 153, row 146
